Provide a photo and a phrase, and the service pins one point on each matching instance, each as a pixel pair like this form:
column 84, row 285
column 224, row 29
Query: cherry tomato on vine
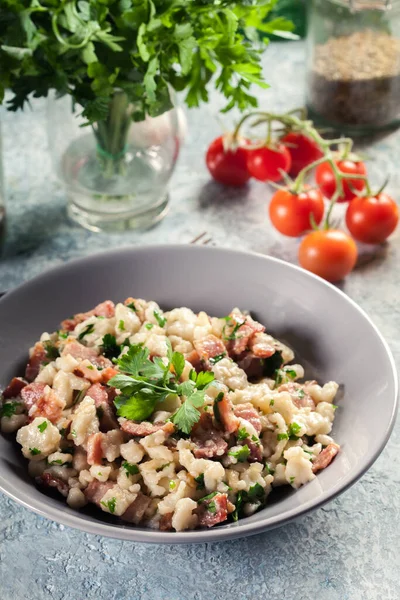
column 302, row 149
column 372, row 219
column 227, row 166
column 266, row 163
column 331, row 254
column 290, row 213
column 326, row 180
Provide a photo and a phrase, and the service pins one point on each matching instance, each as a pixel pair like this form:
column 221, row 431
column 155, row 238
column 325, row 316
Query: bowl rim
column 235, row 530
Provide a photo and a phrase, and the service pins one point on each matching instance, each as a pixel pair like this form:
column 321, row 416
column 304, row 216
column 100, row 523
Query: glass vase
column 115, row 171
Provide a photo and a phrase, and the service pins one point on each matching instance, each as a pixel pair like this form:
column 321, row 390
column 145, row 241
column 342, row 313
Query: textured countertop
column 348, row 550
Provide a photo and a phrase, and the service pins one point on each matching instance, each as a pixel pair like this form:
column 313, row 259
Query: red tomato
column 372, row 219
column 227, row 166
column 265, row 163
column 327, row 184
column 331, row 254
column 303, row 151
column 290, row 213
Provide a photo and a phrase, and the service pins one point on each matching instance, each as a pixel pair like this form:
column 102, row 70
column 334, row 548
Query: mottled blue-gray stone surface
column 348, row 550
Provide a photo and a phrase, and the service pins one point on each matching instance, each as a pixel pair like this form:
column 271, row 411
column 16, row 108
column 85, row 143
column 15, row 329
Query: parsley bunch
column 92, row 48
column 144, row 383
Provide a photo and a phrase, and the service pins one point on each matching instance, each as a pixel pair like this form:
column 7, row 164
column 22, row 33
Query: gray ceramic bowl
column 331, row 336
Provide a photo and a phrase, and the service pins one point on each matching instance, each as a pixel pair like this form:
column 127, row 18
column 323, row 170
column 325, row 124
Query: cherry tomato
column 290, row 213
column 331, row 254
column 227, row 166
column 303, row 151
column 372, row 219
column 326, row 180
column 265, row 163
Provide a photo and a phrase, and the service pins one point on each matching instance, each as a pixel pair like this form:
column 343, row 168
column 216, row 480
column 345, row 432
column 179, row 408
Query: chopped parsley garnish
column 73, row 433
column 42, row 427
column 149, row 325
column 214, row 359
column 294, row 429
column 291, row 479
column 121, row 325
column 91, row 367
column 207, row 498
column 63, row 335
column 255, row 439
column 217, row 400
column 282, row 436
column 132, row 306
column 200, row 481
column 242, row 454
column 130, row 468
column 160, row 320
column 51, row 350
column 9, row 409
column 212, row 507
column 58, row 461
column 335, row 406
column 242, row 434
column 144, row 383
column 290, row 373
column 110, row 347
column 255, row 495
column 88, row 329
column 301, row 393
column 34, row 451
column 268, row 469
column 110, row 505
column 236, row 325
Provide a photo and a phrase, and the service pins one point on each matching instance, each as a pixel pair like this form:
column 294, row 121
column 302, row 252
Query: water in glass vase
column 116, row 173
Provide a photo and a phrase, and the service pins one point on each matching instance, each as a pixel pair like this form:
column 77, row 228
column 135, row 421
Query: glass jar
column 116, row 171
column 353, row 64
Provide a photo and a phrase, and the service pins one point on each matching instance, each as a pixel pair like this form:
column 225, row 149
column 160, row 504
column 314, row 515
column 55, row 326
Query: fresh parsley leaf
column 63, row 335
column 234, row 327
column 186, row 416
column 78, row 396
column 132, row 306
column 149, row 325
column 34, row 451
column 51, row 350
column 212, row 508
column 293, row 431
column 272, row 402
column 134, row 360
column 58, row 461
column 217, row 400
column 136, row 408
column 268, row 469
column 110, row 505
column 282, row 436
column 121, row 325
column 200, row 481
column 178, row 362
column 88, row 329
column 301, row 393
column 204, row 379
column 110, row 347
column 238, row 506
column 130, row 468
column 242, row 434
column 291, row 479
column 42, row 427
column 255, row 494
column 291, row 373
column 9, row 409
column 242, row 454
column 207, row 498
column 335, row 406
column 214, row 359
column 160, row 320
column 162, row 467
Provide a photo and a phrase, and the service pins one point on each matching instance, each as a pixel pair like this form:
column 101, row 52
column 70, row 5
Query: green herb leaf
column 293, row 431
column 282, row 436
column 42, row 427
column 88, row 329
column 9, row 409
column 215, row 359
column 200, row 481
column 51, row 350
column 271, row 364
column 160, row 320
column 130, row 468
column 34, row 451
column 242, row 454
column 121, row 325
column 301, row 393
column 149, row 325
column 242, row 434
column 132, row 306
column 110, row 505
